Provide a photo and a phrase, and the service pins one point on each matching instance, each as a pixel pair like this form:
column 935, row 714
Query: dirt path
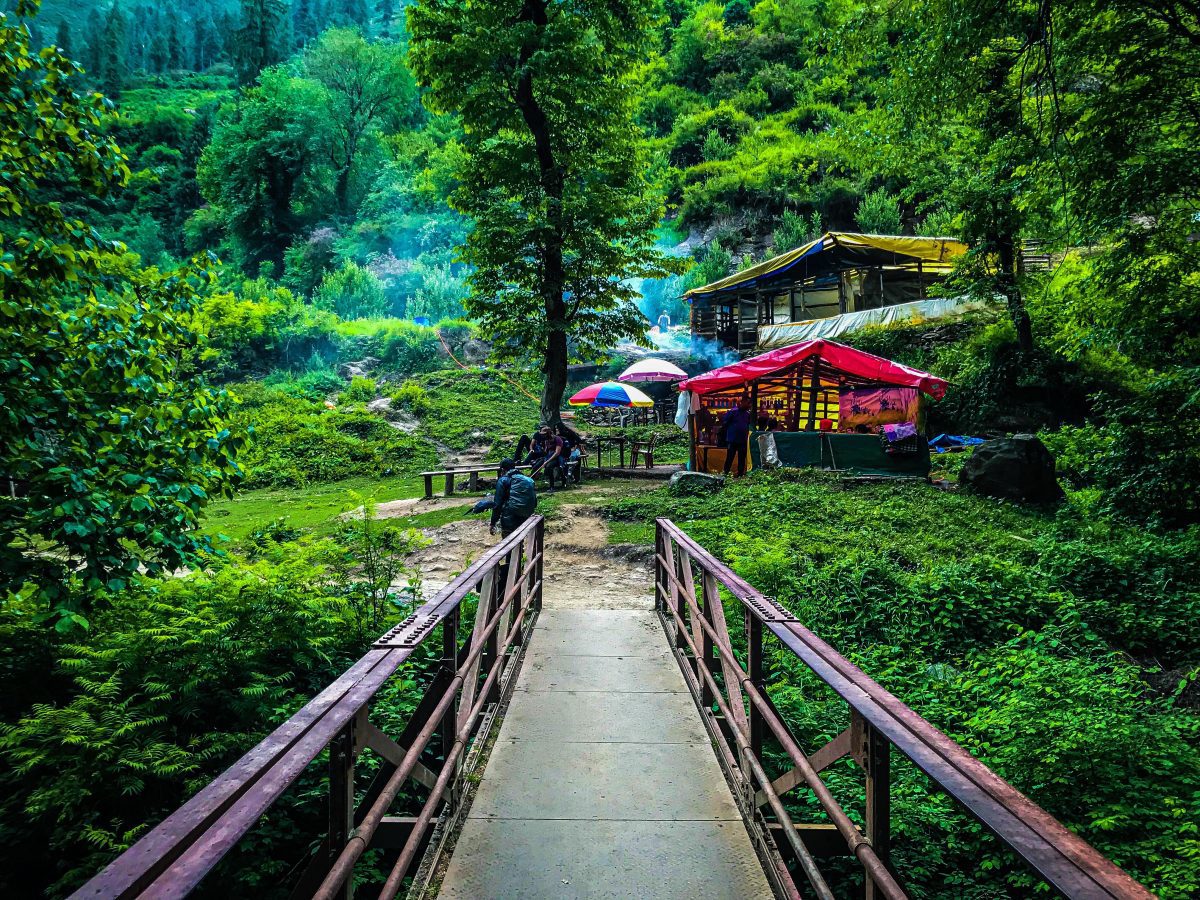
column 580, row 567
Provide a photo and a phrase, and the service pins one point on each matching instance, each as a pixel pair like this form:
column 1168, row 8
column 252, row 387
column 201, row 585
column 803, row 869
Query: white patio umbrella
column 653, row 370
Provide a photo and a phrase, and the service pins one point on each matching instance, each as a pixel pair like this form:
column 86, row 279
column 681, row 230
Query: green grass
column 435, row 518
column 312, row 507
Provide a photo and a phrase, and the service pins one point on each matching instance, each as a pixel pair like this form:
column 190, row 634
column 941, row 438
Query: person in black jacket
column 736, row 426
column 515, row 499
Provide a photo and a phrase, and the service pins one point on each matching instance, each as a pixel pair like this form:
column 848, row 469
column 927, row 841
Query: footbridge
column 594, row 747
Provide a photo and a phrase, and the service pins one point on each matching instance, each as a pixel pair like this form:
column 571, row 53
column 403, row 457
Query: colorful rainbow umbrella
column 609, row 393
column 653, row 370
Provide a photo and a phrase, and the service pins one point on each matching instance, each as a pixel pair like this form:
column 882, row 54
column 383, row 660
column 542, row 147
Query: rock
column 381, row 406
column 476, row 352
column 360, row 369
column 695, row 483
column 1015, row 468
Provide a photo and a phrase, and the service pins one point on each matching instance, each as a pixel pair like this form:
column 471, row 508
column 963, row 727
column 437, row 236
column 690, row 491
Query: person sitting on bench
column 572, row 453
column 554, row 455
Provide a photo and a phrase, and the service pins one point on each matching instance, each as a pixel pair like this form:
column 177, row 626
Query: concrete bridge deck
column 603, row 781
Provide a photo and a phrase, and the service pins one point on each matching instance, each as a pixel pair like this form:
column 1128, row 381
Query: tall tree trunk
column 1007, row 260
column 553, row 275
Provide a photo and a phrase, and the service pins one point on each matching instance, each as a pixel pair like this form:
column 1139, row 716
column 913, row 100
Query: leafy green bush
column 352, row 292
column 412, row 397
column 176, row 680
column 1143, row 456
column 361, row 390
column 878, row 213
column 256, row 327
column 399, row 346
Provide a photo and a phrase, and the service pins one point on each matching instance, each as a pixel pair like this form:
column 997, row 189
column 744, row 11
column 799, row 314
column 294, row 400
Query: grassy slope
column 477, row 406
column 1048, row 644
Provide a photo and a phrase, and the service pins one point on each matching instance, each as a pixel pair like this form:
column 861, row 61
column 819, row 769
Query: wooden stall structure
column 839, row 272
column 826, row 403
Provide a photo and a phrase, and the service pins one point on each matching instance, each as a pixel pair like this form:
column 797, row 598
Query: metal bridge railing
column 695, row 619
column 457, row 707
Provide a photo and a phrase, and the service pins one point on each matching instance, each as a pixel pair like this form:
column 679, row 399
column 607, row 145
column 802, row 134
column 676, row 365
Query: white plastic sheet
column 783, row 335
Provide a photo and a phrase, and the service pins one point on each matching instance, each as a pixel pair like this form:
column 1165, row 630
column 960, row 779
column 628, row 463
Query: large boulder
column 695, row 483
column 1015, row 468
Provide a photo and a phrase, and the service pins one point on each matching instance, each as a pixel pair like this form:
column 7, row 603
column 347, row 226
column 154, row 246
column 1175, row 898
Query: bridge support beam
column 877, row 762
column 341, row 797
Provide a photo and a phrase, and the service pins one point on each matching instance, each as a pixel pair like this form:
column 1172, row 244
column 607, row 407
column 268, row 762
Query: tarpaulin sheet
column 771, row 336
column 839, row 357
column 859, row 453
column 839, row 251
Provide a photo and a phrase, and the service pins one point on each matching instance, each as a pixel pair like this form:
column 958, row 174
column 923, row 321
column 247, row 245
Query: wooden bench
column 472, row 473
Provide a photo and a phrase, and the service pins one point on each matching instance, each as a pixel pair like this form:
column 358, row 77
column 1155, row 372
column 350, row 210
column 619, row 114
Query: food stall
column 817, row 403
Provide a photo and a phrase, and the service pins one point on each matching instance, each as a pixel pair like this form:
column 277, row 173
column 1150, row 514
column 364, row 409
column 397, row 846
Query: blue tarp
column 944, row 442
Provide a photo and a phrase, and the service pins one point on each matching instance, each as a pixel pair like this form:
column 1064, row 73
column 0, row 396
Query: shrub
column 878, row 213
column 795, row 231
column 352, row 292
column 361, row 390
column 412, row 397
column 1143, row 456
column 399, row 346
column 175, row 682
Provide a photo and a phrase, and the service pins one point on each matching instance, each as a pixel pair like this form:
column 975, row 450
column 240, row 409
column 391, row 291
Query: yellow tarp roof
column 841, row 250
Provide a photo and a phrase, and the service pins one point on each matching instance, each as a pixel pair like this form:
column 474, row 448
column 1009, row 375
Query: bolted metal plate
column 769, row 610
column 408, row 633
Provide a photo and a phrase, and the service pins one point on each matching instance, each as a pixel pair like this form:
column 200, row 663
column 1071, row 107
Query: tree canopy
column 109, row 450
column 556, row 174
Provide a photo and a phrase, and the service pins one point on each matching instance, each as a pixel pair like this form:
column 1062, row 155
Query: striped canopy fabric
column 610, row 393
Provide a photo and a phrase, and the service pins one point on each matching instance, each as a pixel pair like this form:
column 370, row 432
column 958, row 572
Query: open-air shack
column 817, row 403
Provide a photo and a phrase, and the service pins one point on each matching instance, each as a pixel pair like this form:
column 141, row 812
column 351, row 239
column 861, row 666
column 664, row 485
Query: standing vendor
column 736, row 426
column 516, row 499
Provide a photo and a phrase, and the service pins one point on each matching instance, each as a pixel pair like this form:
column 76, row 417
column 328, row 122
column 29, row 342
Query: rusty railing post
column 449, row 724
column 708, row 596
column 491, row 653
column 660, row 578
column 754, row 668
column 341, row 799
column 539, row 548
column 877, row 754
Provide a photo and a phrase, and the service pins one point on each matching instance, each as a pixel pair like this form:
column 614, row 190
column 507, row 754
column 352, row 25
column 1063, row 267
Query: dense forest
column 253, row 249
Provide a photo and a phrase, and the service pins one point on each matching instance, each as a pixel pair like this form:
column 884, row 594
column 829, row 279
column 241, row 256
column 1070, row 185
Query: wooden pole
column 692, row 443
column 813, row 388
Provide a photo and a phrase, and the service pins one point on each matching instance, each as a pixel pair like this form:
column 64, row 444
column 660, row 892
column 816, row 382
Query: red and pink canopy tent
column 835, row 365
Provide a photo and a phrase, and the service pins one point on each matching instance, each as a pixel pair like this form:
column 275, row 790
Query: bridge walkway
column 603, row 781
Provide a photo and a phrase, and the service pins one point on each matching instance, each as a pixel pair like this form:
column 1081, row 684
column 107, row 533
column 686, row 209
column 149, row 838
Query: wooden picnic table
column 619, row 439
